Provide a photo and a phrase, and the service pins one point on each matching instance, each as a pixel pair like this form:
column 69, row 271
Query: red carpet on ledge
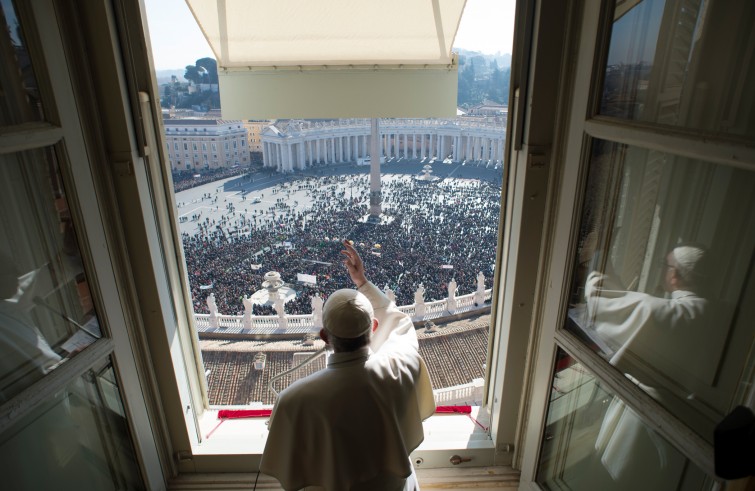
column 264, row 413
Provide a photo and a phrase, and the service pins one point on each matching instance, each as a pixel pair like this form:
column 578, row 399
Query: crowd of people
column 429, row 234
column 190, row 179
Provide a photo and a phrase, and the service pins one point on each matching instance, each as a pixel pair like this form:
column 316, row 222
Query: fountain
column 426, row 176
column 272, row 289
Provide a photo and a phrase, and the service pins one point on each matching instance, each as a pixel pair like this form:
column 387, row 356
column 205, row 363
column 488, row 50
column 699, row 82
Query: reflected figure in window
column 661, row 345
column 25, row 355
column 657, row 341
column 353, row 425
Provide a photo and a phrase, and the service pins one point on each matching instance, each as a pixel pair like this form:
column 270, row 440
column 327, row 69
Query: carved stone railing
column 466, row 394
column 303, row 323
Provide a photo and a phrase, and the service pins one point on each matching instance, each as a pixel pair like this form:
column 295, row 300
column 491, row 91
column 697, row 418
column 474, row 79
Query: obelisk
column 375, row 193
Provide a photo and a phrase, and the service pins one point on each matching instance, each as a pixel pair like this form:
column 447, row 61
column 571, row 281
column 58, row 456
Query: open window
column 251, row 234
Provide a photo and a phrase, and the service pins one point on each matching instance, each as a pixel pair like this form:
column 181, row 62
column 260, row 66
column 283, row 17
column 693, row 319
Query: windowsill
column 248, row 436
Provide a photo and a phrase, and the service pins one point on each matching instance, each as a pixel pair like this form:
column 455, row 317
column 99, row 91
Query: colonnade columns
column 414, row 146
column 441, row 144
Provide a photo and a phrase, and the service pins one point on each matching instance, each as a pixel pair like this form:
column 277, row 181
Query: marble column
column 414, row 146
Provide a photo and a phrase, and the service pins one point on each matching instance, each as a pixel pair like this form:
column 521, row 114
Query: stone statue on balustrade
column 317, row 310
column 479, row 295
column 451, row 301
column 279, row 308
column 247, row 320
column 419, row 302
column 390, row 294
column 213, row 307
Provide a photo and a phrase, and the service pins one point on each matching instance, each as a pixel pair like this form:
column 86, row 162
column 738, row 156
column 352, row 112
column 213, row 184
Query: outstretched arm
column 354, row 264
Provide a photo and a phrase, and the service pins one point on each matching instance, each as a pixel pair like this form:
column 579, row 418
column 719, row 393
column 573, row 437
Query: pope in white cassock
column 352, row 425
column 656, row 342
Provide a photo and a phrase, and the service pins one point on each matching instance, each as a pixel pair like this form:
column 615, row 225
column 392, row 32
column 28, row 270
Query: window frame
column 589, row 33
column 65, row 130
column 174, row 393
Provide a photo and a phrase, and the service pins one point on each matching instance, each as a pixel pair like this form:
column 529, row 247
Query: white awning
column 333, row 58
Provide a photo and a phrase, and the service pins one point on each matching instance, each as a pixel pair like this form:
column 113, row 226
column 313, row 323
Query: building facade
column 295, row 144
column 254, row 128
column 196, row 144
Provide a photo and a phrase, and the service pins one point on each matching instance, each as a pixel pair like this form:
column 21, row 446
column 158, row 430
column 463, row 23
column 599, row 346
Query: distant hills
column 503, row 60
column 163, row 76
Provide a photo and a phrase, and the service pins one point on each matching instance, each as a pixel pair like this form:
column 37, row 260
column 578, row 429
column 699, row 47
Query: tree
column 210, row 70
column 192, row 74
column 205, row 71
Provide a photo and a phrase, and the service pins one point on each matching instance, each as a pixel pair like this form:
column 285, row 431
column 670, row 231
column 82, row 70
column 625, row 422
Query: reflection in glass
column 46, row 311
column 663, row 283
column 593, row 441
column 19, row 93
column 77, row 440
column 687, row 63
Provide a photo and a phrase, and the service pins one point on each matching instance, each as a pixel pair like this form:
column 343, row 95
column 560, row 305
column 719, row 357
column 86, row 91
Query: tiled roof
column 454, row 354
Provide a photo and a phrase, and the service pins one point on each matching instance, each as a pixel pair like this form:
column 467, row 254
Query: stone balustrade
column 466, row 394
column 234, row 325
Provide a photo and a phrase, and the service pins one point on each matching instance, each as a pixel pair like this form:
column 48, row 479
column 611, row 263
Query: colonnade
column 308, row 145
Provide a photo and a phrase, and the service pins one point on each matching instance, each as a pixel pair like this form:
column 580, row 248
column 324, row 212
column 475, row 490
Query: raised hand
column 354, row 264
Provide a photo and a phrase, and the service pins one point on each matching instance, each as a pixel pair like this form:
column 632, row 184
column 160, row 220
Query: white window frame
column 589, row 21
column 159, row 276
column 66, row 130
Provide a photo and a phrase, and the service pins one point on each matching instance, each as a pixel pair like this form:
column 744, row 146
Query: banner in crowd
column 306, row 278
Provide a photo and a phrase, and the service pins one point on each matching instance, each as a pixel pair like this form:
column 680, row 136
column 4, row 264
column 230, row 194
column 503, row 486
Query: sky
column 486, row 26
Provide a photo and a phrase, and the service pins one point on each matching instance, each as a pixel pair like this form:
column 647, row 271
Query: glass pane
column 664, row 280
column 46, row 315
column 593, row 441
column 79, row 439
column 686, row 63
column 19, row 92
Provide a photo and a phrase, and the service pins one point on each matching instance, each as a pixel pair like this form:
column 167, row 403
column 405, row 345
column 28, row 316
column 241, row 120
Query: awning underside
column 333, row 58
column 257, row 33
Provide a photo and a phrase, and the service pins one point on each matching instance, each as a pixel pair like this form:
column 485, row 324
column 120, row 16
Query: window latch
column 456, row 459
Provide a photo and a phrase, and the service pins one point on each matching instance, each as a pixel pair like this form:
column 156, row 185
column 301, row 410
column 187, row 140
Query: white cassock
column 657, row 343
column 353, row 425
